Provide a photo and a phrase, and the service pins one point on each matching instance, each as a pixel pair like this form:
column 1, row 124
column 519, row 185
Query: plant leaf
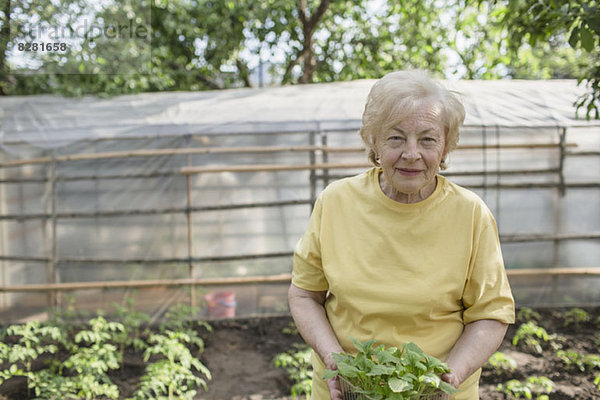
column 399, row 385
column 587, row 39
column 330, row 374
column 378, row 370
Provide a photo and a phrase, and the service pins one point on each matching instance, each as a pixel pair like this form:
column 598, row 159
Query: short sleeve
column 487, row 293
column 307, row 267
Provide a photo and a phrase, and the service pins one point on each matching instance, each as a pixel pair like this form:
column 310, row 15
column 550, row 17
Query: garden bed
column 240, row 355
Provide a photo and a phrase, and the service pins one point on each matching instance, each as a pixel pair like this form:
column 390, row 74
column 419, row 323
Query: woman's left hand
column 474, row 347
column 451, row 379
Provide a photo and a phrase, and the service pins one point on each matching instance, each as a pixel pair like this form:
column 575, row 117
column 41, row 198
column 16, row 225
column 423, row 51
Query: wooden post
column 52, row 273
column 324, row 158
column 562, row 133
column 190, row 233
column 312, row 173
column 4, row 303
column 561, row 175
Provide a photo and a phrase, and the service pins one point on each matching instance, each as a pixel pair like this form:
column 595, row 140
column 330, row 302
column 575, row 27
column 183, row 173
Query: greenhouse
column 180, row 197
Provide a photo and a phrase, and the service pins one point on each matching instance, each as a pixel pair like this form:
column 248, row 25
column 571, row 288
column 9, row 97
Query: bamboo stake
column 281, row 278
column 154, row 211
column 592, row 271
column 235, row 150
column 271, row 167
column 537, row 237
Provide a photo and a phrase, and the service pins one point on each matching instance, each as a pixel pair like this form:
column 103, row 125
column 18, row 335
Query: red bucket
column 221, row 304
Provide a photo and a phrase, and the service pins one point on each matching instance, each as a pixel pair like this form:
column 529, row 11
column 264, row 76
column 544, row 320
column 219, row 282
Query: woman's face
column 410, row 155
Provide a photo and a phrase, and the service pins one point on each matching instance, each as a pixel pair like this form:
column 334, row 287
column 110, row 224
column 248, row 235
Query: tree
column 533, row 22
column 215, row 44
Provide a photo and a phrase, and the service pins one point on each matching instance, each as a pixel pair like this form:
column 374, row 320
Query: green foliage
column 206, row 44
column 500, row 363
column 526, row 314
column 171, row 376
column 67, row 317
column 575, row 359
column 298, row 366
column 392, row 373
column 532, row 336
column 291, row 329
column 132, row 322
column 538, row 386
column 597, row 381
column 33, row 340
column 532, row 22
column 576, row 317
column 92, row 353
column 182, row 318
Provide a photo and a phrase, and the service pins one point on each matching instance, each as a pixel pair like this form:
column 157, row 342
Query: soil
column 240, row 353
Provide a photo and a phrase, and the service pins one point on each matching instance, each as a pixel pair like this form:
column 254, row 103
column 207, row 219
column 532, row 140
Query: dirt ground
column 240, row 353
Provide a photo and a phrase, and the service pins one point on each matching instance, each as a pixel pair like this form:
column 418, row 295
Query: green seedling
column 171, row 376
column 298, row 366
column 576, row 317
column 181, row 318
column 290, row 329
column 574, row 359
column 531, row 334
column 392, row 373
column 33, row 341
column 92, row 356
column 527, row 314
column 538, row 386
column 132, row 321
column 500, row 363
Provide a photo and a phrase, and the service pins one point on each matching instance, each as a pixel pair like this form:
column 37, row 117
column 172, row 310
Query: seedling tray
column 351, row 392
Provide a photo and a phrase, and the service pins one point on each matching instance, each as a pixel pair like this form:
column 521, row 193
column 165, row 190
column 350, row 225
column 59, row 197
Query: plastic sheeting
column 126, row 218
column 51, row 122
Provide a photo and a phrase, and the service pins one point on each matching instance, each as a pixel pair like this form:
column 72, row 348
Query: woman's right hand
column 335, row 390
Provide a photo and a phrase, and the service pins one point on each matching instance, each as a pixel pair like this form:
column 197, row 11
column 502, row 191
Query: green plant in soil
column 597, row 381
column 576, row 317
column 132, row 321
column 526, row 314
column 392, row 373
column 575, row 359
column 33, row 340
column 171, row 376
column 538, row 386
column 298, row 366
column 92, row 356
column 83, row 375
column 182, row 318
column 532, row 336
column 500, row 363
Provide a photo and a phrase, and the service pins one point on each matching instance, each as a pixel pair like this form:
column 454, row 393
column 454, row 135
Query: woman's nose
column 411, row 151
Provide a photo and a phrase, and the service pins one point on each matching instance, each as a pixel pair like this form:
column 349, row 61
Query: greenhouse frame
column 171, row 197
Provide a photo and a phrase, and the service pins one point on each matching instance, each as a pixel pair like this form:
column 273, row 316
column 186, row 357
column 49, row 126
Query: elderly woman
column 399, row 253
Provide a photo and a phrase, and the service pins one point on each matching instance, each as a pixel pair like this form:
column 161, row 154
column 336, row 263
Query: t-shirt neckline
column 418, row 206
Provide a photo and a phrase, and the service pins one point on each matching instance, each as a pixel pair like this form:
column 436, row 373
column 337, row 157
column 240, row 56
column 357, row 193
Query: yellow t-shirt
column 402, row 272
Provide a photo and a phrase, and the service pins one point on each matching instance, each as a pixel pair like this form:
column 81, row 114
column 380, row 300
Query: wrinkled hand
column 335, row 391
column 451, row 379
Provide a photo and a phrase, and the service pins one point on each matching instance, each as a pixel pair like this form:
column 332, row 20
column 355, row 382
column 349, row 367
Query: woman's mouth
column 408, row 171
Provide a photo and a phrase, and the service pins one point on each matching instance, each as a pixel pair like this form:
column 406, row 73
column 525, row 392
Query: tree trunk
column 309, row 25
column 4, row 39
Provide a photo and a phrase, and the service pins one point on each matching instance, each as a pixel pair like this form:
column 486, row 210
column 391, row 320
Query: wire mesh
column 351, row 392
